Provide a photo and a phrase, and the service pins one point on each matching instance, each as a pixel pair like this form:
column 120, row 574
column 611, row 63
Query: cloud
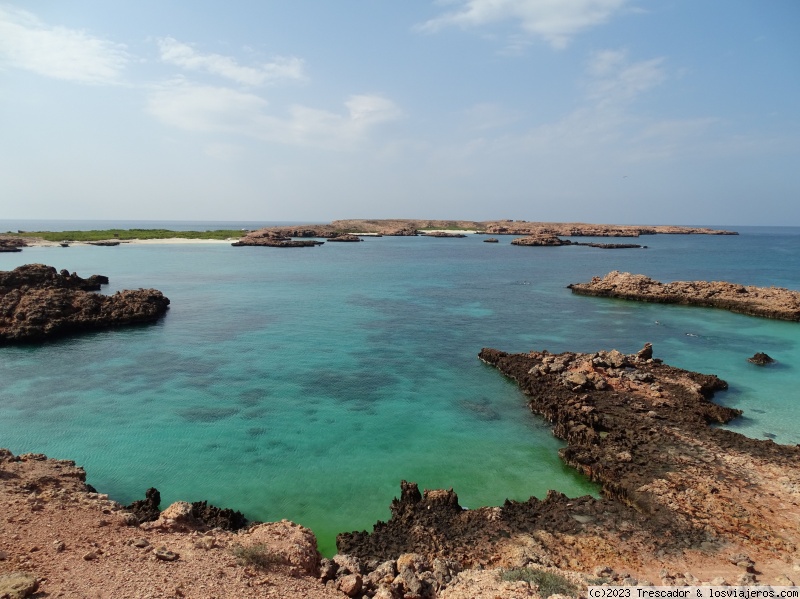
column 615, row 80
column 58, row 52
column 555, row 21
column 212, row 109
column 183, row 55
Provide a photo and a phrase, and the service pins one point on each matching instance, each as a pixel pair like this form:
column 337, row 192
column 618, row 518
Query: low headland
column 767, row 302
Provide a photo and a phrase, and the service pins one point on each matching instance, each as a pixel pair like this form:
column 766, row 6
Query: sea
column 307, row 383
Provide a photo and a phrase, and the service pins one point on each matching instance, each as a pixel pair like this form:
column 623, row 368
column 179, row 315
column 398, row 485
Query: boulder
column 760, row 359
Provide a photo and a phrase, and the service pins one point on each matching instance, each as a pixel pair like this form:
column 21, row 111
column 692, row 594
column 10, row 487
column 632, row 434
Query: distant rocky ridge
column 38, row 303
column 412, row 227
column 768, row 302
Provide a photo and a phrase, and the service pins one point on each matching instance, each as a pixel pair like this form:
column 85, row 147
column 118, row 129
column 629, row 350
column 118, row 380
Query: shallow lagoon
column 306, row 383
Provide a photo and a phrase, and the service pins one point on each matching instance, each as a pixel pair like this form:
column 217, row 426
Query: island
column 768, row 302
column 39, row 303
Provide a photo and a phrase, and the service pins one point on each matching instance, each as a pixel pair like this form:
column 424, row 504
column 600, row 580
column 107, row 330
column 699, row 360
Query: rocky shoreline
column 682, row 503
column 767, row 302
column 678, row 494
column 39, row 303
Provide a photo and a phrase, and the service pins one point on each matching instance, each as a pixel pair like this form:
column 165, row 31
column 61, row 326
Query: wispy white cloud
column 183, row 55
column 555, row 21
column 58, row 52
column 222, row 110
column 614, row 79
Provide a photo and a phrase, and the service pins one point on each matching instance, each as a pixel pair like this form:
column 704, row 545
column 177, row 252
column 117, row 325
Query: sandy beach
column 38, row 242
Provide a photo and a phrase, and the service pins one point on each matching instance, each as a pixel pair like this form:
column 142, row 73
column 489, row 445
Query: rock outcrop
column 673, row 488
column 769, row 302
column 760, row 359
column 38, row 303
column 270, row 238
column 541, row 240
column 346, row 238
column 441, row 234
column 547, row 239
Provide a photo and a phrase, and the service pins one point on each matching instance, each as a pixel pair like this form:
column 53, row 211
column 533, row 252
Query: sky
column 602, row 111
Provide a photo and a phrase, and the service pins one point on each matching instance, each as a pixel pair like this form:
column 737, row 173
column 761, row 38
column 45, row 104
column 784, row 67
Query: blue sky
column 608, row 111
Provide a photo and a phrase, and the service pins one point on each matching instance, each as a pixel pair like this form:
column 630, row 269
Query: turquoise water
column 305, row 384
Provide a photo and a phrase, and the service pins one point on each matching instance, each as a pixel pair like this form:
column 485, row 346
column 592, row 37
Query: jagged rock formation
column 12, row 244
column 541, row 240
column 346, row 238
column 270, row 238
column 672, row 486
column 441, row 234
column 40, row 276
column 38, row 303
column 769, row 302
column 760, row 359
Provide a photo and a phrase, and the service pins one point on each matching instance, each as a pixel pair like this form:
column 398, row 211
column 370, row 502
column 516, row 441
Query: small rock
column 59, row 546
column 603, row 572
column 3, row 556
column 206, row 543
column 760, row 359
column 582, row 518
column 140, row 543
column 746, row 579
column 327, row 569
column 350, row 585
column 91, row 555
column 165, row 554
column 719, row 582
column 18, row 585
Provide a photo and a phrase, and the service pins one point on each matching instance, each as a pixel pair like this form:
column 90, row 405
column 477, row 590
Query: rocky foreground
column 768, row 302
column 682, row 501
column 38, row 303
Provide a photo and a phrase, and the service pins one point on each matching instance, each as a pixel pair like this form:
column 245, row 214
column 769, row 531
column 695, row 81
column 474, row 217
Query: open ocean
column 306, row 383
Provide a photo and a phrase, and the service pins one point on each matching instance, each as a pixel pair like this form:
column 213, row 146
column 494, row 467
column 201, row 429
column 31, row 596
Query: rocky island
column 38, row 303
column 768, row 302
column 268, row 238
column 549, row 240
